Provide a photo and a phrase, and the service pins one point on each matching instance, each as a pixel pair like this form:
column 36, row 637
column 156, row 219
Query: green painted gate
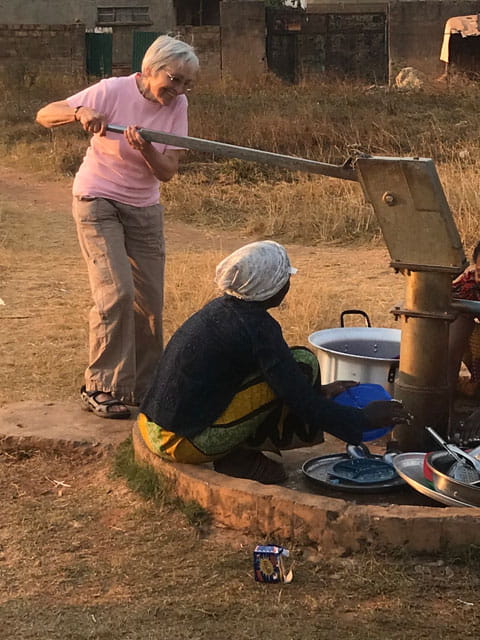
column 141, row 41
column 99, row 54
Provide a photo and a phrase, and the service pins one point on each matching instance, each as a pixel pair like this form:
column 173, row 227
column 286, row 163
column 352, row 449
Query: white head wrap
column 255, row 272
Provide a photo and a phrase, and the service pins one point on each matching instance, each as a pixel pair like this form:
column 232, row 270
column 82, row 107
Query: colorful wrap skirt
column 255, row 418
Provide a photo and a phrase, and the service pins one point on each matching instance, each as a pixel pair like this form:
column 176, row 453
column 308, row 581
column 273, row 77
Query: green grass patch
column 195, row 514
column 151, row 485
column 140, row 478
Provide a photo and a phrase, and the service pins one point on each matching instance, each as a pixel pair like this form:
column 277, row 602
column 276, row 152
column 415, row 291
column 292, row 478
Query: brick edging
column 336, row 525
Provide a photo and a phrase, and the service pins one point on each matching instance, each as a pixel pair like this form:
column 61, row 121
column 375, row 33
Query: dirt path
column 33, row 193
column 44, row 287
column 348, row 264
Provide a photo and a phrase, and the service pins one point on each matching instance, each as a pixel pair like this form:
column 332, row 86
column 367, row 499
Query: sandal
column 103, row 408
column 252, row 465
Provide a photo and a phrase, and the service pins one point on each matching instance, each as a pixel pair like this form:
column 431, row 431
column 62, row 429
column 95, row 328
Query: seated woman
column 228, row 386
column 464, row 337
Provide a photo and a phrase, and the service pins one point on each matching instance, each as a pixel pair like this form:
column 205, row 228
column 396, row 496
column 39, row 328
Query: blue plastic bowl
column 359, row 397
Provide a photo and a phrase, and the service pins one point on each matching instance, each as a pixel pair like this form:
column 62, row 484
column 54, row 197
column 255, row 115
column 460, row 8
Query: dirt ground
column 84, row 557
column 46, row 295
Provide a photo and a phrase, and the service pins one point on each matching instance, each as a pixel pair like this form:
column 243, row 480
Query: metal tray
column 410, row 467
column 317, row 471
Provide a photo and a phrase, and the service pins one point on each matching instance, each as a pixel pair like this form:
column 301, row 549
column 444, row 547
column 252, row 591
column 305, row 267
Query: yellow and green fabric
column 255, row 418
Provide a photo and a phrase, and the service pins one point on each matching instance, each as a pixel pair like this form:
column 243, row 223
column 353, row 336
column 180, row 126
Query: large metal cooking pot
column 439, row 463
column 364, row 354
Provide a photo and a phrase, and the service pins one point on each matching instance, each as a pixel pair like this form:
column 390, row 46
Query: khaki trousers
column 124, row 249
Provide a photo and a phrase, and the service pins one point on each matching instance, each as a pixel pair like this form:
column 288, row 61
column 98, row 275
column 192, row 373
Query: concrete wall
column 206, row 39
column 207, row 43
column 69, row 11
column 65, row 12
column 26, row 48
column 243, row 39
column 416, row 32
column 415, row 27
column 234, row 48
column 330, row 39
column 62, row 47
column 348, row 6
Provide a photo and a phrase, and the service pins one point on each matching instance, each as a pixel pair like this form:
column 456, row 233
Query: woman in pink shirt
column 119, row 219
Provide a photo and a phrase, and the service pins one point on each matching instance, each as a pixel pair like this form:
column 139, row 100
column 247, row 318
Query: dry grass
column 305, row 210
column 95, row 561
column 242, row 200
column 43, row 324
column 320, row 120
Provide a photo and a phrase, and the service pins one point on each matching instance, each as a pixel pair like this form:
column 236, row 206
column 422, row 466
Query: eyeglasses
column 178, row 80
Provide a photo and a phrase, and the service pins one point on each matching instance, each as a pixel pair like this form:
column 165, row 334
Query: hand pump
column 424, row 245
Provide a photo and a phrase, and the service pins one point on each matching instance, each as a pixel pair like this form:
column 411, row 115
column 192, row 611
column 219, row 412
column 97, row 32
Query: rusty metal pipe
column 422, row 383
column 424, row 243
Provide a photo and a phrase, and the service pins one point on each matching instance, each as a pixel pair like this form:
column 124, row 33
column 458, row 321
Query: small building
column 367, row 39
column 111, row 28
column 112, row 37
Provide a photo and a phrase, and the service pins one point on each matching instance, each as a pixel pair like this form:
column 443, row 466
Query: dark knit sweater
column 210, row 355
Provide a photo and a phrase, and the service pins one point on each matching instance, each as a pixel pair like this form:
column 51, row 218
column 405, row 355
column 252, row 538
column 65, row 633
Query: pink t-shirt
column 111, row 168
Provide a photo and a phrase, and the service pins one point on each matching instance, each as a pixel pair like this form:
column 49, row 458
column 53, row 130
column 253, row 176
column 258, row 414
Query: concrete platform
column 58, row 425
column 338, row 523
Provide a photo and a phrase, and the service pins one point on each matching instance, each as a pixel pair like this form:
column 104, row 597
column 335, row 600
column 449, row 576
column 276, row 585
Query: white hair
column 166, row 50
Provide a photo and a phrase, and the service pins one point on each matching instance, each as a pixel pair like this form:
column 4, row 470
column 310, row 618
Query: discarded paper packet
column 269, row 564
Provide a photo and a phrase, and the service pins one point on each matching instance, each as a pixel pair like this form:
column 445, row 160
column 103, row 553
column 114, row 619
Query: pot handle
column 357, row 312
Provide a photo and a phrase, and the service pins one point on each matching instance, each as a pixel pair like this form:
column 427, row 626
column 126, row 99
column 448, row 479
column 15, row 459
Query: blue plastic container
column 359, row 397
